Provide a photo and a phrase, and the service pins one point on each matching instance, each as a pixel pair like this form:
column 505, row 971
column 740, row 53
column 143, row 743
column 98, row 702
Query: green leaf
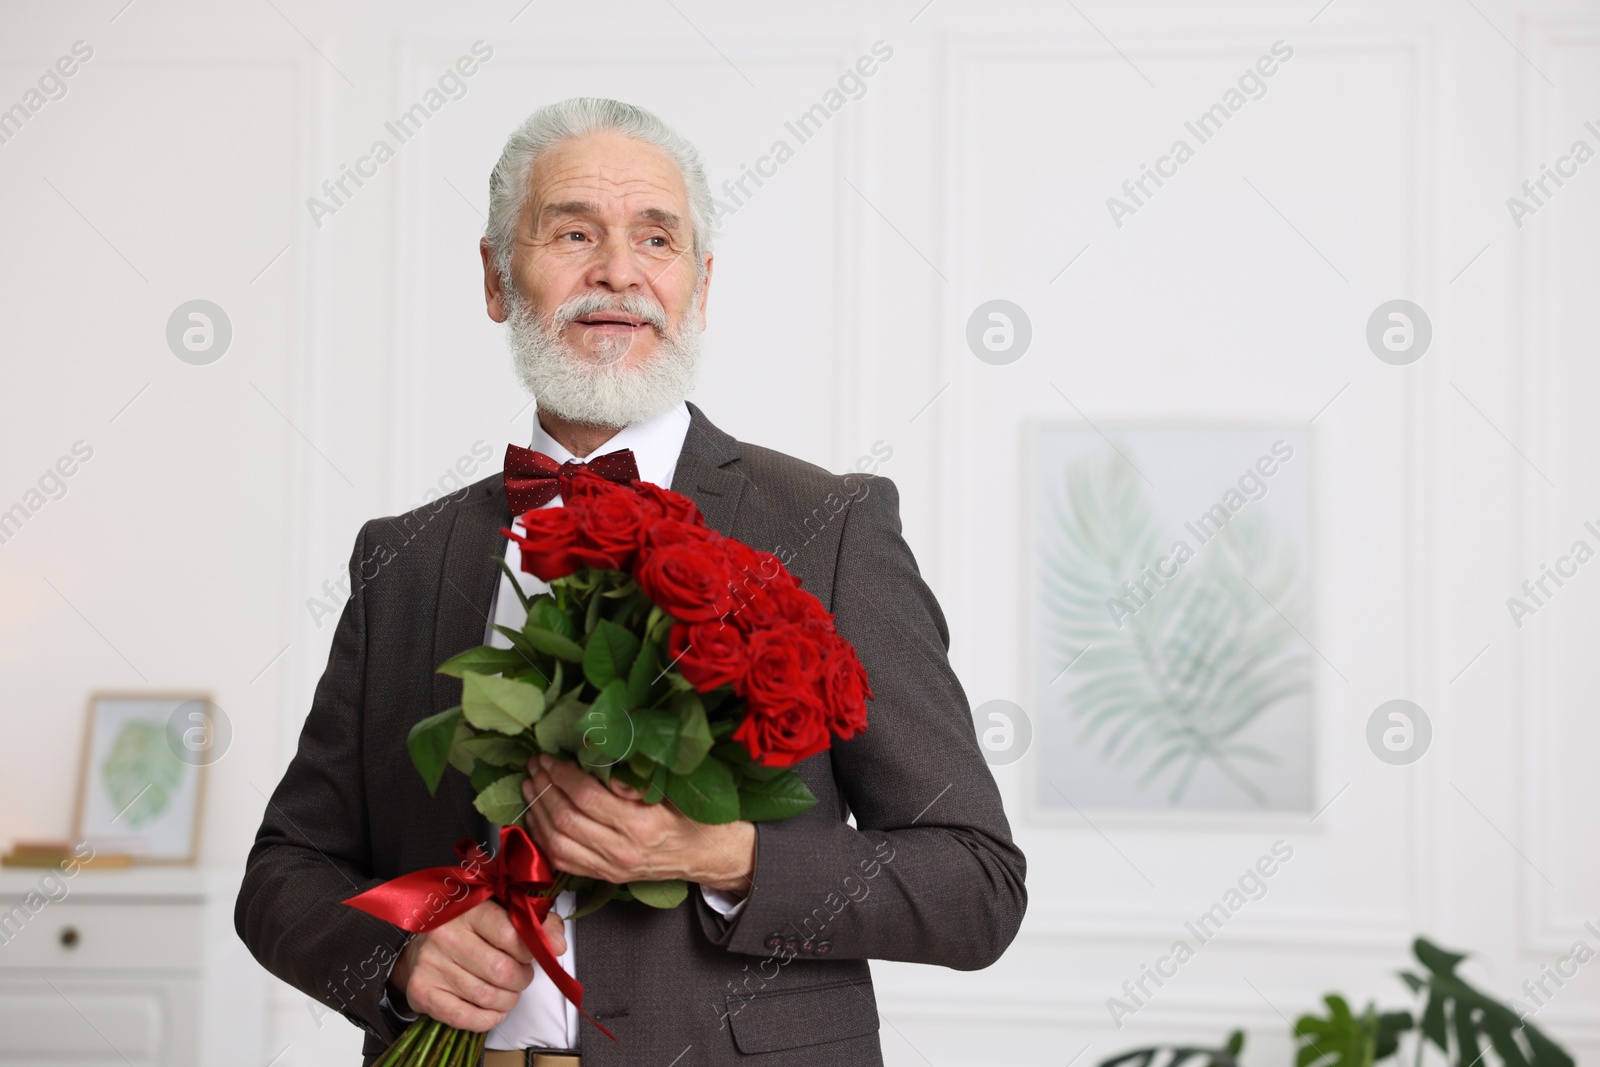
column 668, row 894
column 694, row 733
column 502, row 801
column 500, row 704
column 658, row 786
column 429, row 742
column 1456, row 1009
column 591, row 614
column 603, row 892
column 656, row 733
column 484, row 660
column 486, row 774
column 557, row 731
column 461, row 759
column 777, row 798
column 609, row 654
column 552, row 643
column 627, row 773
column 496, row 751
column 706, row 794
column 552, row 618
column 733, row 752
column 644, row 682
column 606, row 729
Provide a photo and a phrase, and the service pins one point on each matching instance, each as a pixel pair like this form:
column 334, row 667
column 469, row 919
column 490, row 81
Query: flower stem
column 396, row 1053
column 426, row 1045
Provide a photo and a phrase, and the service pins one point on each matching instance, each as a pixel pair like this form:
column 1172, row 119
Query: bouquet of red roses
column 682, row 662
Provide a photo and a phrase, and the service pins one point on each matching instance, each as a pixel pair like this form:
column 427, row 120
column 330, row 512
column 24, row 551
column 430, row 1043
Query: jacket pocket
column 772, row 1020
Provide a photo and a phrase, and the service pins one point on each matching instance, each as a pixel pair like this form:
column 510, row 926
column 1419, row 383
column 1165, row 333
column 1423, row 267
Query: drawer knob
column 69, row 937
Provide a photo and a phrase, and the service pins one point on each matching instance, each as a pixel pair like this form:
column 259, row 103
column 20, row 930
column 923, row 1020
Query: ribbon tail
column 532, row 931
column 404, row 901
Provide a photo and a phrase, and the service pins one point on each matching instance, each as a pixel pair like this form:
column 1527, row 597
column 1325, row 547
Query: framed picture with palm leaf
column 1172, row 603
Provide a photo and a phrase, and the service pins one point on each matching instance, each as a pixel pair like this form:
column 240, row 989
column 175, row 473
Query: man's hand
column 469, row 972
column 593, row 831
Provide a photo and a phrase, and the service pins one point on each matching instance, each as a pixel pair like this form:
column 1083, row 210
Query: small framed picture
column 143, row 775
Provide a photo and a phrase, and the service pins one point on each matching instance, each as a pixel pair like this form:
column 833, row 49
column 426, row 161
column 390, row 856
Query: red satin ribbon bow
column 424, row 899
column 533, row 478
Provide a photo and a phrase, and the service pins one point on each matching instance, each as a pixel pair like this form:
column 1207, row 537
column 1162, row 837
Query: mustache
column 593, row 302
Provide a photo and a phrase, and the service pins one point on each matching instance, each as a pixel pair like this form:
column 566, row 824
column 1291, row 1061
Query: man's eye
column 661, row 242
column 573, row 233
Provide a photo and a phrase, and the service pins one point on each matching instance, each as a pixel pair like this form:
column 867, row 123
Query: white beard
column 603, row 390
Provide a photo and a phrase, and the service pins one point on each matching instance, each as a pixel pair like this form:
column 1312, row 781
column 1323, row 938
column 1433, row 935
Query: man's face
column 607, row 218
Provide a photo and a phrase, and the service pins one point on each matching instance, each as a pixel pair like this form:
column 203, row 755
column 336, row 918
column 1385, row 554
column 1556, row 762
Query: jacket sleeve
column 929, row 874
column 312, row 850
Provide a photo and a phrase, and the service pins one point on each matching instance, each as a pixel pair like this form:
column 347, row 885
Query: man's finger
column 586, row 792
column 445, row 1006
column 491, row 923
column 478, row 990
column 556, row 813
column 624, row 790
column 556, row 930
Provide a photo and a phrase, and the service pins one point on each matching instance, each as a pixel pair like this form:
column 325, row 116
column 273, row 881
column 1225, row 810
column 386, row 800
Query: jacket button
column 808, row 946
column 774, row 941
column 791, row 945
column 824, row 947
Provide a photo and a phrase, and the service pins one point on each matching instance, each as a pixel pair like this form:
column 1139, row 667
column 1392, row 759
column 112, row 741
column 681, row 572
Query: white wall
column 976, row 165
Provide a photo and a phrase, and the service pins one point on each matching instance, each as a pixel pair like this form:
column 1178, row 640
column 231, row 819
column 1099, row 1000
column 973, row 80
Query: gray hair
column 554, row 123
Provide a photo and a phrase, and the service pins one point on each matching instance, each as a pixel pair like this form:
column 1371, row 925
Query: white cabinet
column 136, row 967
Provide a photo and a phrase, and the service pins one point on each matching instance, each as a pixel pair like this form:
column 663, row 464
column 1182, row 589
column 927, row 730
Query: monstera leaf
column 1474, row 1022
column 1344, row 1039
column 1178, row 1055
column 140, row 772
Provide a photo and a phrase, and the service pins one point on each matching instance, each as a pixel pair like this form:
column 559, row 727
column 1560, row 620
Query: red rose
column 609, row 526
column 783, row 664
column 783, row 735
column 547, row 548
column 665, row 532
column 669, row 505
column 688, row 581
column 708, row 654
column 781, row 605
column 757, row 567
column 843, row 682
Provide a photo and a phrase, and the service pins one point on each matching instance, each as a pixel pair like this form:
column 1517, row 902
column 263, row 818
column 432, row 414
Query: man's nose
column 616, row 267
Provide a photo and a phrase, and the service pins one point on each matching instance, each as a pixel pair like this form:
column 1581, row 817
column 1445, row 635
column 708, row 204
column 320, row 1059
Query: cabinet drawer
column 91, row 1023
column 70, row 934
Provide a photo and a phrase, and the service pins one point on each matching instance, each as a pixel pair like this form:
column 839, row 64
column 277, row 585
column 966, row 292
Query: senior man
column 598, row 256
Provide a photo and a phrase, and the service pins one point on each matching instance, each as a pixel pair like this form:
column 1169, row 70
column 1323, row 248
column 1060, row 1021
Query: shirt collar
column 656, row 443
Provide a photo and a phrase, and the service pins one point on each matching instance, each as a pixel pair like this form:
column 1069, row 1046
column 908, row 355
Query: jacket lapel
column 702, row 474
column 467, row 582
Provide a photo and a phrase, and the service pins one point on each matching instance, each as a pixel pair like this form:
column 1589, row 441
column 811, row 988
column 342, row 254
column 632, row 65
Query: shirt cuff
column 386, row 1005
column 723, row 902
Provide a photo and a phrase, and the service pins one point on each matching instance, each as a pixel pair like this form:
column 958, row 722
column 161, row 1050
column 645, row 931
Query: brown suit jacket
column 928, row 874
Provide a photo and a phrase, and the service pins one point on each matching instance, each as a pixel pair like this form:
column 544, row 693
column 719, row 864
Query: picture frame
column 141, row 780
column 1142, row 535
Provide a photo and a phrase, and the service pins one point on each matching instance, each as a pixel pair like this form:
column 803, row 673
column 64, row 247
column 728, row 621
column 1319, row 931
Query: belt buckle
column 552, row 1057
column 533, row 1057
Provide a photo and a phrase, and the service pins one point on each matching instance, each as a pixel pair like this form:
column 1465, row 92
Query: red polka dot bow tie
column 533, row 479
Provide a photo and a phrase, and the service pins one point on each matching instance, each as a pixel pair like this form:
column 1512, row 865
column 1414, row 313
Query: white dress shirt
column 543, row 1018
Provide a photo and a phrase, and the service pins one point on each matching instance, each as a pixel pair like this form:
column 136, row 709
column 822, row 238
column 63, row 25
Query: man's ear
column 493, row 293
column 705, row 293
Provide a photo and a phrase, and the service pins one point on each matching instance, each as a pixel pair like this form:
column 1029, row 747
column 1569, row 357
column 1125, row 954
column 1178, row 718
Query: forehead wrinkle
column 568, row 176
